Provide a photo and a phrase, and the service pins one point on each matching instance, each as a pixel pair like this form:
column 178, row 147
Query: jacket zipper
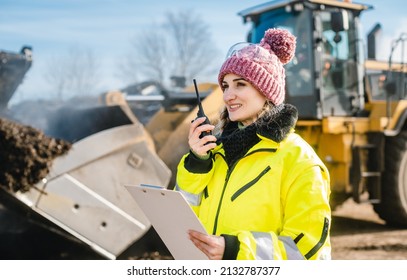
column 251, row 183
column 229, row 172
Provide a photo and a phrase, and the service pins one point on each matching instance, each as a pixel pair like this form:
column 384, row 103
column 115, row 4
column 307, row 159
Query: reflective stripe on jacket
column 275, row 200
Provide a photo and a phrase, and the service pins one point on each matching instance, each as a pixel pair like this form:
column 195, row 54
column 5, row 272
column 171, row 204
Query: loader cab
column 325, row 76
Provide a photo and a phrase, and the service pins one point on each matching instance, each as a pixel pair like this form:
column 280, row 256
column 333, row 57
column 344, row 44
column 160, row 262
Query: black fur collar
column 278, row 123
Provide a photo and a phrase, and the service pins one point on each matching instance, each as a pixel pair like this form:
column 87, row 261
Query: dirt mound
column 26, row 155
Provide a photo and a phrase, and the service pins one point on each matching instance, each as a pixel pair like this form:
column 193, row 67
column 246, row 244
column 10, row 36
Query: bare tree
column 180, row 46
column 73, row 74
column 55, row 75
column 154, row 54
column 193, row 50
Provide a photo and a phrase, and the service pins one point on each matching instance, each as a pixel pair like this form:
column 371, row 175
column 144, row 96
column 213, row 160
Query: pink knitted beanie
column 262, row 64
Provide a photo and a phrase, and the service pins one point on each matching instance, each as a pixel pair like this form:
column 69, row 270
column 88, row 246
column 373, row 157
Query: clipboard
column 172, row 217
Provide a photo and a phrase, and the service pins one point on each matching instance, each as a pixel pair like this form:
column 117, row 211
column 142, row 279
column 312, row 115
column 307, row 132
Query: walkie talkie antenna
column 201, row 112
column 200, row 109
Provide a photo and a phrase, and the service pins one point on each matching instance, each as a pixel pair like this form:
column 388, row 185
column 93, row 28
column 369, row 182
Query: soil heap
column 26, row 154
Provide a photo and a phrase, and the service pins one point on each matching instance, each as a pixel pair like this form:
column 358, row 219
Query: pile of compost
column 26, row 154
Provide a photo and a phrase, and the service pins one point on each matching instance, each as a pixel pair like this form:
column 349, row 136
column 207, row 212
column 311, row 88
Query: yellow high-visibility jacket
column 274, row 201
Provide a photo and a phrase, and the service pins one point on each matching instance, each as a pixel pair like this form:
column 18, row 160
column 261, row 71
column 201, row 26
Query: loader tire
column 393, row 206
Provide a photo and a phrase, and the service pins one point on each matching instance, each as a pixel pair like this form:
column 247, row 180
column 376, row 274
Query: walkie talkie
column 201, row 112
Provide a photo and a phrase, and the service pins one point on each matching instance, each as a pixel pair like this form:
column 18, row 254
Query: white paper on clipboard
column 171, row 217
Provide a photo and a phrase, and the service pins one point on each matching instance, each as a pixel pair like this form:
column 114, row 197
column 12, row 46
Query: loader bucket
column 84, row 191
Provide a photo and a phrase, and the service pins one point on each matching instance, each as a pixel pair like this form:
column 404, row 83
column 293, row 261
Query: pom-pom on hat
column 262, row 64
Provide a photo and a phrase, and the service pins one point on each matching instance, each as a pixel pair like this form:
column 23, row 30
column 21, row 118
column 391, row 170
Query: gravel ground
column 359, row 234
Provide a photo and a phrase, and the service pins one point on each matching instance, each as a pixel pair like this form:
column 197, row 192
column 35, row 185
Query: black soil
column 26, row 154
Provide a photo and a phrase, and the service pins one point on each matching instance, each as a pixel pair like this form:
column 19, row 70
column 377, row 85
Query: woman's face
column 242, row 100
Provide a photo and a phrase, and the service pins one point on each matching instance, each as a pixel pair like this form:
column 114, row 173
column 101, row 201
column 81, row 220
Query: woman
column 259, row 189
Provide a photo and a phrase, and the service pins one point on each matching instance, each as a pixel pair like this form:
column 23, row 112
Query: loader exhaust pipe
column 371, row 41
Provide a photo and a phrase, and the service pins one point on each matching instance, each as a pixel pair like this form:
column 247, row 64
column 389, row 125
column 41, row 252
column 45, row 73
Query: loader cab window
column 300, row 74
column 377, row 85
column 339, row 67
column 387, row 84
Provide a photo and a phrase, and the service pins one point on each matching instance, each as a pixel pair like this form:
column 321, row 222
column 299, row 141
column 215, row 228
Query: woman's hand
column 211, row 245
column 200, row 146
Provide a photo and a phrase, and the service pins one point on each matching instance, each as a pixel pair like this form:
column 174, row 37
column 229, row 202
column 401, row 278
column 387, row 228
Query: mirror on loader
column 339, row 21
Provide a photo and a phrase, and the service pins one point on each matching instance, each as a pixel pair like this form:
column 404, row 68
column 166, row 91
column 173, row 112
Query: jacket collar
column 278, row 123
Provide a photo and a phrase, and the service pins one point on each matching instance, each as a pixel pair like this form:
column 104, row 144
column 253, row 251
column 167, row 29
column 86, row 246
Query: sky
column 53, row 27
